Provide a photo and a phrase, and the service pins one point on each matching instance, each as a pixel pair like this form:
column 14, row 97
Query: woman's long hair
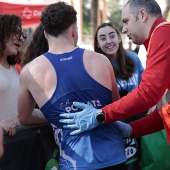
column 37, row 46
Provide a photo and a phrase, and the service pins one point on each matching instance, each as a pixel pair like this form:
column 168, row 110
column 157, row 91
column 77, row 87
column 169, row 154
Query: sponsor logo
column 28, row 13
column 69, row 107
column 66, row 59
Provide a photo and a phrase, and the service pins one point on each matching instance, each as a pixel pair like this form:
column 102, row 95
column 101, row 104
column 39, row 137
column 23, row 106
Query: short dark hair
column 9, row 25
column 151, row 6
column 58, row 17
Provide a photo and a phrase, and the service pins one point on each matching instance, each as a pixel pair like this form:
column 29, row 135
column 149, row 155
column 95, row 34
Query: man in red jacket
column 143, row 23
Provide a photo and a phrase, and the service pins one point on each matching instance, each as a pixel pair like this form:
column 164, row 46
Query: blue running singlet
column 103, row 146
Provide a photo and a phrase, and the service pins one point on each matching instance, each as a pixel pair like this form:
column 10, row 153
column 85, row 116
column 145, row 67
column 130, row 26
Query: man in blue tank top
column 64, row 74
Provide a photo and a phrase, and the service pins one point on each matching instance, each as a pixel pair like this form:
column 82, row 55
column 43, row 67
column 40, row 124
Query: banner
column 30, row 14
column 32, row 148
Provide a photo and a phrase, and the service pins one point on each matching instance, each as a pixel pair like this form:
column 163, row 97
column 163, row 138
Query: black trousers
column 121, row 166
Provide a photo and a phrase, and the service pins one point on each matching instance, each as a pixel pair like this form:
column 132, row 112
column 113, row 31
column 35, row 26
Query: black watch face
column 100, row 118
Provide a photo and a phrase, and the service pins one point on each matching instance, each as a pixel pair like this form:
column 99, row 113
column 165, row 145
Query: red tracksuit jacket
column 155, row 80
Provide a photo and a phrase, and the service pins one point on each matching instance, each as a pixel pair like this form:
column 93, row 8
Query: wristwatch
column 100, row 117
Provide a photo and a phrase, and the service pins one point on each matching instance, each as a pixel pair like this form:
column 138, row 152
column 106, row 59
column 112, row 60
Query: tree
column 114, row 9
column 90, row 16
column 94, row 12
column 86, row 16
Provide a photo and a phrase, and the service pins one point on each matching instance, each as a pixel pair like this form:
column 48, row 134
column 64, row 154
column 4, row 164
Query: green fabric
column 155, row 152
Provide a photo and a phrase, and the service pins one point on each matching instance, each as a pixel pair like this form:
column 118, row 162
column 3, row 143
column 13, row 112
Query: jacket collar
column 155, row 24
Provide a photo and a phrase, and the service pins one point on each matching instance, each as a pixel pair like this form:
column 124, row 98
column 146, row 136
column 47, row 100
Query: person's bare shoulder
column 99, row 68
column 95, row 57
column 33, row 71
column 37, row 63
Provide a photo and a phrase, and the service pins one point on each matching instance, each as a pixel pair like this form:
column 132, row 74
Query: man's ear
column 143, row 15
column 74, row 30
column 45, row 34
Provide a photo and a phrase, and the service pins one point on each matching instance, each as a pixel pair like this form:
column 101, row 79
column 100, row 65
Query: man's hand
column 125, row 129
column 9, row 125
column 80, row 121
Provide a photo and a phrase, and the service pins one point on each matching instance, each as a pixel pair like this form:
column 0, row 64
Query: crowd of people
column 92, row 99
column 153, row 90
column 62, row 90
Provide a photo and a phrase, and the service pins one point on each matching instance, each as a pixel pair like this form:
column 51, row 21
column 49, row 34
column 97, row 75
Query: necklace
column 122, row 91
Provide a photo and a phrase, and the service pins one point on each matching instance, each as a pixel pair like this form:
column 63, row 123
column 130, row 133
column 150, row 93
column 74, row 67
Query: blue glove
column 82, row 121
column 125, row 129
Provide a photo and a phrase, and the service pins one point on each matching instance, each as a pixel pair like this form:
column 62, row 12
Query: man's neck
column 61, row 45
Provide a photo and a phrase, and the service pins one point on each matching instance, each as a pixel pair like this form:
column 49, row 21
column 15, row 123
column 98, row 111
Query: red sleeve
column 18, row 67
column 155, row 80
column 149, row 124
